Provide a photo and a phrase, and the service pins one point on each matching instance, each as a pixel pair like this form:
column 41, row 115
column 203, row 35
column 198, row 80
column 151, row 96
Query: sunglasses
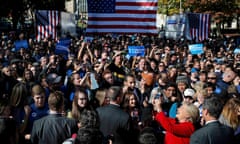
column 212, row 78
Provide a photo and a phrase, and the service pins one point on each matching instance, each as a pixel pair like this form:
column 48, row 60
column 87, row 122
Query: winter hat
column 182, row 79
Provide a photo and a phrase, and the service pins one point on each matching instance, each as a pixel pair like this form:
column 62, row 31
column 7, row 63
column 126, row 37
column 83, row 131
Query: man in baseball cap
column 189, row 95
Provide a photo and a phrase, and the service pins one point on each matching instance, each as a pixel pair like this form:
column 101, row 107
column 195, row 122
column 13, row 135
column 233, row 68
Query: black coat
column 7, row 130
column 213, row 133
column 53, row 129
column 6, row 84
column 114, row 121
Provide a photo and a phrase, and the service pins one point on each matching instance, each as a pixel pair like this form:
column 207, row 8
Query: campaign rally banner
column 196, row 49
column 175, row 25
column 136, row 50
column 20, row 44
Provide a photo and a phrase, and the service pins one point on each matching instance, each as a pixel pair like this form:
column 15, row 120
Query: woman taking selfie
column 179, row 130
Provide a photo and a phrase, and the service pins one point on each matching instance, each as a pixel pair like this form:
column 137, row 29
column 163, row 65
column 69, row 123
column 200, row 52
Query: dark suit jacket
column 114, row 121
column 7, row 130
column 52, row 129
column 213, row 133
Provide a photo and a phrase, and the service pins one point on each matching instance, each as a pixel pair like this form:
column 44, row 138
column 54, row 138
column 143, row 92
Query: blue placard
column 196, row 49
column 62, row 47
column 88, row 39
column 64, row 41
column 20, row 44
column 136, row 50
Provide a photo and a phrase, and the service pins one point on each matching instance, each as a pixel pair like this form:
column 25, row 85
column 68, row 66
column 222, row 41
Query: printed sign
column 196, row 49
column 62, row 47
column 136, row 50
column 88, row 39
column 20, row 44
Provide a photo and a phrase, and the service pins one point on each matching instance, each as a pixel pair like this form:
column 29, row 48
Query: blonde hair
column 230, row 111
column 100, row 95
column 193, row 112
column 202, row 93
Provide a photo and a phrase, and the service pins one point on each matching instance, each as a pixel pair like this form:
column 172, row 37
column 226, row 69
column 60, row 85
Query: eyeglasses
column 212, row 78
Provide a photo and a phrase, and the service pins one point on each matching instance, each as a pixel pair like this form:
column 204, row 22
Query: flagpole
column 180, row 10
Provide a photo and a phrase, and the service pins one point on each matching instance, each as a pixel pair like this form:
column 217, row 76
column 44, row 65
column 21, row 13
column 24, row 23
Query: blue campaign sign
column 196, row 49
column 64, row 42
column 136, row 50
column 88, row 39
column 62, row 47
column 20, row 44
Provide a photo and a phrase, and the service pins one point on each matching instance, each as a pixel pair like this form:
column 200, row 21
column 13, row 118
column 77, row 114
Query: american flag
column 122, row 16
column 47, row 22
column 199, row 26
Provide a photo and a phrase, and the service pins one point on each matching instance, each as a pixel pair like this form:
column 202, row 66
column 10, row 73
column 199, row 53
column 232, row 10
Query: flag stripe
column 122, row 26
column 122, row 16
column 136, row 1
column 120, row 33
column 120, row 30
column 104, row 15
column 136, row 11
column 119, row 22
column 47, row 22
column 121, row 19
column 144, row 4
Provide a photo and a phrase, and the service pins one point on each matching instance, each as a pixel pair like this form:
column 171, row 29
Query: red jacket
column 176, row 133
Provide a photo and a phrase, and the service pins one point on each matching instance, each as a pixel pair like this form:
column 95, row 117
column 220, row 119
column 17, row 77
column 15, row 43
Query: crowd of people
column 98, row 94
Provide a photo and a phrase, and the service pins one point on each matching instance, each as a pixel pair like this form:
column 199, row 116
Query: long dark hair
column 76, row 110
column 19, row 94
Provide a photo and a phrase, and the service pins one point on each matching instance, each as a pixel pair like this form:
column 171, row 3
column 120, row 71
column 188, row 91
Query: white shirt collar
column 211, row 121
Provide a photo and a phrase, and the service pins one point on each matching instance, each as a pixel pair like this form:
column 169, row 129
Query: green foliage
column 217, row 8
column 169, row 7
column 222, row 11
column 18, row 9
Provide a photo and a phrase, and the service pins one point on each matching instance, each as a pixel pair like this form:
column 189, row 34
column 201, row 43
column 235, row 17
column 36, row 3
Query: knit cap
column 182, row 79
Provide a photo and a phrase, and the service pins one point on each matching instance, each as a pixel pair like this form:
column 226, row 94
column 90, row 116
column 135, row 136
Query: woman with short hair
column 179, row 130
